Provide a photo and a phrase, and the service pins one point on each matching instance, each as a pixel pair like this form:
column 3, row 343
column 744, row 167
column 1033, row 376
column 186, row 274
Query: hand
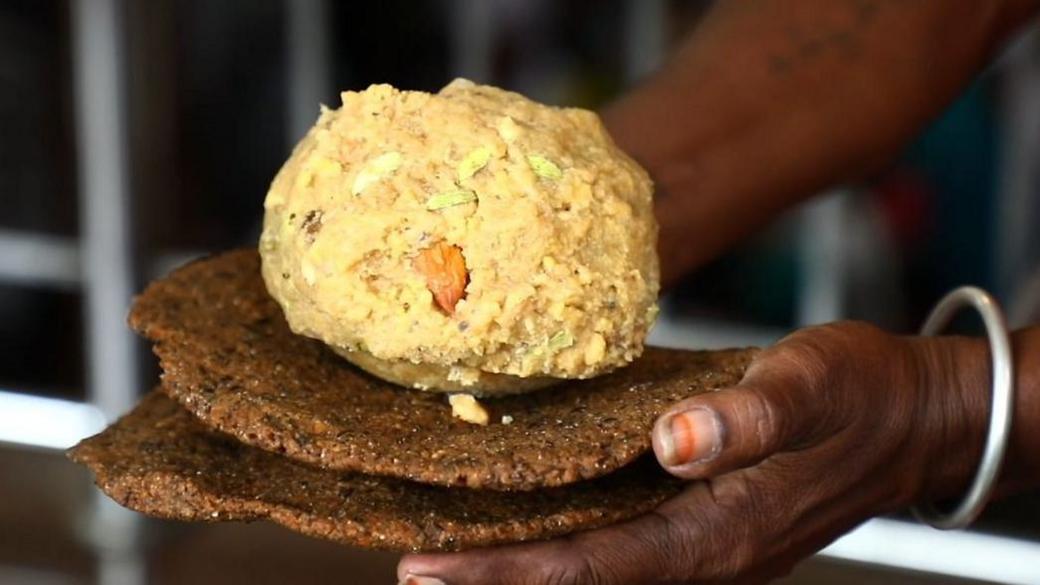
column 829, row 427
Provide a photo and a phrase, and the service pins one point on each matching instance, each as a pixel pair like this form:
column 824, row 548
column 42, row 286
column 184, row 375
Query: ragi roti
column 161, row 461
column 229, row 357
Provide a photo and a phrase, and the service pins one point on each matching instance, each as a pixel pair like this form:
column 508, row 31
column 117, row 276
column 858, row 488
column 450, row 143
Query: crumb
column 468, row 409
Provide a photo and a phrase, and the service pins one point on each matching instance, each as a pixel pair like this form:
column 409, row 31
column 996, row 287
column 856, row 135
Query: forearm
column 769, row 101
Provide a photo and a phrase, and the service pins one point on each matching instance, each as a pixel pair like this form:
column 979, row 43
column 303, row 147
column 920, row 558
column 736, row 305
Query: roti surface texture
column 229, row 357
column 161, row 461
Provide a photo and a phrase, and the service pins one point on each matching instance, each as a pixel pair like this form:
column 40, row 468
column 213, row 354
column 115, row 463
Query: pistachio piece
column 544, row 167
column 450, row 199
column 560, row 340
column 474, row 161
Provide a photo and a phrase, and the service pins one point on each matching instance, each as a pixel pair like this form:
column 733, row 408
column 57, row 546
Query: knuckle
column 801, row 399
column 830, row 338
column 801, row 356
column 561, row 575
column 676, row 546
column 772, row 420
column 787, row 363
column 581, row 569
column 819, row 362
column 719, row 539
column 730, row 549
column 737, row 561
column 809, row 357
column 761, row 510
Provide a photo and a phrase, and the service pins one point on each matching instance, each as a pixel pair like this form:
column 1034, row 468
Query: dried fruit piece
column 450, row 199
column 312, row 223
column 445, row 271
column 474, row 161
column 544, row 167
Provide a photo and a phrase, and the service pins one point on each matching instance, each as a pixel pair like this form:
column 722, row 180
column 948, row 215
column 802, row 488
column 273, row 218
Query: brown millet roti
column 161, row 461
column 229, row 357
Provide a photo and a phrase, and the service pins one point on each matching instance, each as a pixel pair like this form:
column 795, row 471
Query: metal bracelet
column 1000, row 413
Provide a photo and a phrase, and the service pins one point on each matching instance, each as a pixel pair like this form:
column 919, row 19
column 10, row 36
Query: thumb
column 712, row 434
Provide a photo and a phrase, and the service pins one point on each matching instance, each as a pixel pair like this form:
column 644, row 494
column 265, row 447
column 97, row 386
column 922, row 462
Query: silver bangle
column 1000, row 414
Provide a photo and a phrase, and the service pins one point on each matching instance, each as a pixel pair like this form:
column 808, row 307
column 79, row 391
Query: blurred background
column 137, row 135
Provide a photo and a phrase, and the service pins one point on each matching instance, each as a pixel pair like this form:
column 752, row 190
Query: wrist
column 953, row 394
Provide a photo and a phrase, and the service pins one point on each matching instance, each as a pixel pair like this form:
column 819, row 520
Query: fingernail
column 410, row 579
column 692, row 436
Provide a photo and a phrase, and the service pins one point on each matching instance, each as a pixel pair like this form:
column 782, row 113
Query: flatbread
column 228, row 356
column 161, row 461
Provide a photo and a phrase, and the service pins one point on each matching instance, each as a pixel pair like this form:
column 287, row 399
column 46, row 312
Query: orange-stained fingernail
column 692, row 436
column 420, row 580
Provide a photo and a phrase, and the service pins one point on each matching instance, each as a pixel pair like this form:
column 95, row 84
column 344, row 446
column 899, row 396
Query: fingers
column 633, row 552
column 711, row 434
column 735, row 528
column 512, row 565
column 712, row 532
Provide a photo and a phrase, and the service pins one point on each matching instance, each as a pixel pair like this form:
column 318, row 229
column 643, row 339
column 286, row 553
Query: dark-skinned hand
column 829, row 427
